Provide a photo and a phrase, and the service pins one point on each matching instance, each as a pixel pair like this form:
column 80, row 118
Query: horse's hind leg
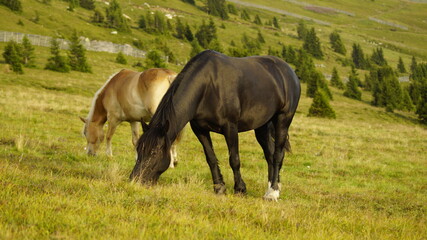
column 281, row 126
column 232, row 138
column 205, row 139
column 112, row 125
column 264, row 136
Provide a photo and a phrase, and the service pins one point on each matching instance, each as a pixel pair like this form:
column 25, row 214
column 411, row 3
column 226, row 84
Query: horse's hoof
column 271, row 195
column 240, row 190
column 220, row 189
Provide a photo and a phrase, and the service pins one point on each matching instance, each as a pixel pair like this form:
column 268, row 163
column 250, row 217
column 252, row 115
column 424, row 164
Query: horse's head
column 94, row 134
column 153, row 156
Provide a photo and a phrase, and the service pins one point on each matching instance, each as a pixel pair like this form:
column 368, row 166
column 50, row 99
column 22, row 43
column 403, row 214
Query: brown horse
column 127, row 96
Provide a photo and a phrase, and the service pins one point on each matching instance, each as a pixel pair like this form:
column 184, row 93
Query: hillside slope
column 359, row 176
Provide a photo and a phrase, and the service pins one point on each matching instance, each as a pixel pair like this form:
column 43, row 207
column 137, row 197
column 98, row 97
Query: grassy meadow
column 361, row 176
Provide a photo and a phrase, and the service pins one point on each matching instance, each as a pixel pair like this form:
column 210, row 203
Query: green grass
column 360, row 176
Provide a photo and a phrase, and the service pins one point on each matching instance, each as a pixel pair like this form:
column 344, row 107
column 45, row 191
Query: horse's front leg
column 232, row 138
column 174, row 156
column 135, row 132
column 205, row 139
column 112, row 125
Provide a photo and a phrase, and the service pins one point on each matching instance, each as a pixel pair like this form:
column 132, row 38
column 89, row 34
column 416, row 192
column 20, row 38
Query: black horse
column 225, row 95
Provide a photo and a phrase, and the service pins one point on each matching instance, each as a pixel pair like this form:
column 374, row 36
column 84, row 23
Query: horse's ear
column 144, row 125
column 83, row 119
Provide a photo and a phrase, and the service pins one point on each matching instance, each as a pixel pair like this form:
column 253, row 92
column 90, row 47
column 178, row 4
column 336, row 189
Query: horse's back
column 132, row 96
column 249, row 91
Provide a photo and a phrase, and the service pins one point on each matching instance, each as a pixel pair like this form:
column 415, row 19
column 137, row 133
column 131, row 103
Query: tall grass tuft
column 20, row 142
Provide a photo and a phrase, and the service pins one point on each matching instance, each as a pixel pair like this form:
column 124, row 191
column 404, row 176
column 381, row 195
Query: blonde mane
column 92, row 107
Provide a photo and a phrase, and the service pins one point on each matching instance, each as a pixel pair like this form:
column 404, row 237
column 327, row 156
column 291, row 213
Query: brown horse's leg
column 135, row 132
column 112, row 125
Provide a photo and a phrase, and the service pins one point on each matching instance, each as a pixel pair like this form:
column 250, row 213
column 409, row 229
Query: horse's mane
column 165, row 116
column 92, row 106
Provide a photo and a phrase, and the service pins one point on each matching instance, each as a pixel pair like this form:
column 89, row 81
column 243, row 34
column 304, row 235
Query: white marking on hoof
column 271, row 194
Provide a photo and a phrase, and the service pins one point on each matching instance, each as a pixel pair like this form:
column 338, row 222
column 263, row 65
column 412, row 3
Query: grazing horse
column 127, row 96
column 226, row 95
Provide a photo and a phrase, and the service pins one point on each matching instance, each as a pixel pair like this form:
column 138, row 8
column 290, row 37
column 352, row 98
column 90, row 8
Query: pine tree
column 217, row 8
column 418, row 78
column 352, row 91
column 260, row 38
column 14, row 5
column 378, row 57
column 12, row 46
column 317, row 81
column 302, row 30
column 407, row 102
column 368, row 83
column 195, row 48
column 251, row 45
column 276, row 23
column 120, row 58
column 312, row 44
column 77, row 55
column 386, row 90
column 115, row 17
column 57, row 62
column 284, row 53
column 179, row 29
column 72, row 4
column 358, row 57
column 27, row 52
column 215, row 45
column 245, row 15
column 188, row 33
column 336, row 80
column 401, row 66
column 87, row 4
column 189, row 1
column 413, row 64
column 206, row 33
column 320, row 106
column 291, row 56
column 232, row 9
column 257, row 20
column 98, row 17
column 336, row 43
column 312, row 83
column 422, row 103
column 142, row 23
column 160, row 25
column 304, row 65
column 154, row 60
column 13, row 56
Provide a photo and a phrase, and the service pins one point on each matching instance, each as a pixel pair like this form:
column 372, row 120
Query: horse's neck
column 185, row 101
column 98, row 113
